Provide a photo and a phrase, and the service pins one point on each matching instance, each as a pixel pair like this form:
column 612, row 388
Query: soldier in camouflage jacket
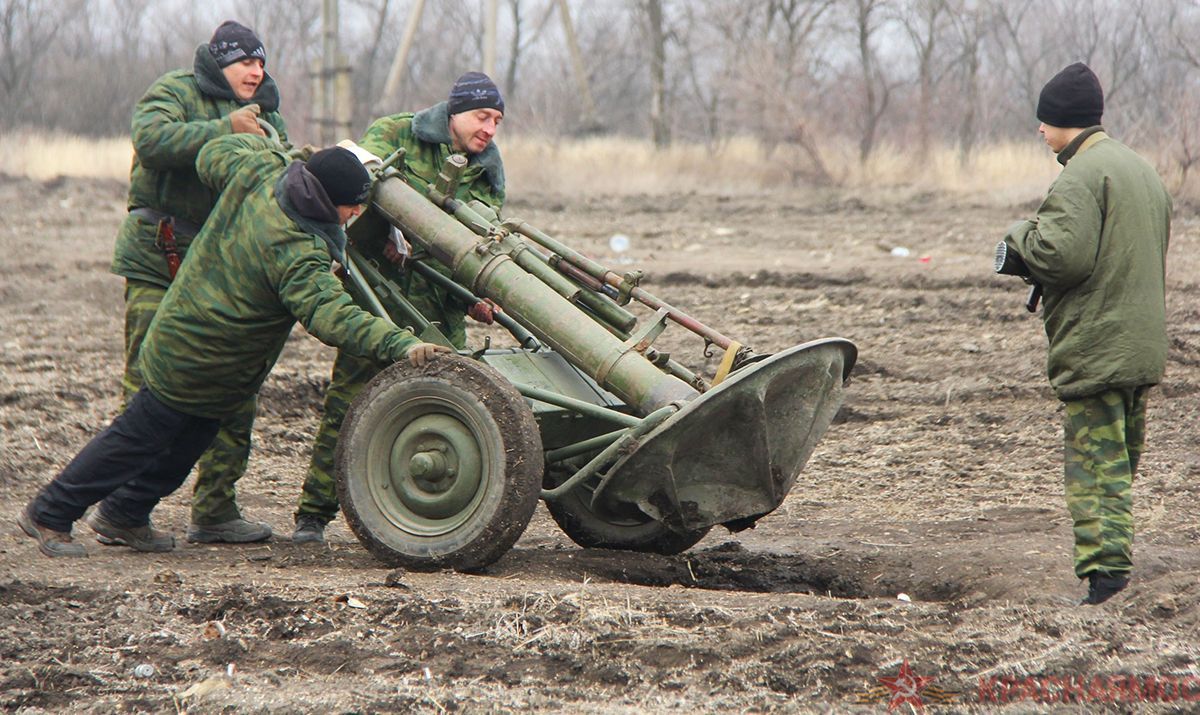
column 466, row 123
column 261, row 263
column 225, row 92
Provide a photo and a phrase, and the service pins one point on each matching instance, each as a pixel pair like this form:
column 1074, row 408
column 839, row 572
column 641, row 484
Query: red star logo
column 906, row 688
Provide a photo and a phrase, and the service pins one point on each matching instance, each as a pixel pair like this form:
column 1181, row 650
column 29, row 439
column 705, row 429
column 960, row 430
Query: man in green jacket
column 261, row 263
column 464, row 124
column 225, row 92
column 1098, row 250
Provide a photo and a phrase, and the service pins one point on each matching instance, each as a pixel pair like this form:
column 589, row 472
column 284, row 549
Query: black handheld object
column 1010, row 264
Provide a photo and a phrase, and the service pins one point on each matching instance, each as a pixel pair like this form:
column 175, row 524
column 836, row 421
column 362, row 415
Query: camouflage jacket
column 171, row 122
column 1098, row 247
column 256, row 268
column 425, row 138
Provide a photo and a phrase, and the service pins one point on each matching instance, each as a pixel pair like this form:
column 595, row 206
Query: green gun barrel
column 487, row 268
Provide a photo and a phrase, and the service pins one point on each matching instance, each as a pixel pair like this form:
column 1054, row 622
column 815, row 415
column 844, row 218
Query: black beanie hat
column 342, row 175
column 474, row 90
column 1072, row 99
column 234, row 42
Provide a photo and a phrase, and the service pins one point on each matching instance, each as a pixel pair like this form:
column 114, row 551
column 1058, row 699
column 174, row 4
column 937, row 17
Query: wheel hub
column 435, row 467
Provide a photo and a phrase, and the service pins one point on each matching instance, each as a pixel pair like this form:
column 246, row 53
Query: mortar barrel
column 610, row 278
column 485, row 267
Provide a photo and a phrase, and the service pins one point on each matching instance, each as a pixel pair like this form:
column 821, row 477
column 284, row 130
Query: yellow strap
column 726, row 362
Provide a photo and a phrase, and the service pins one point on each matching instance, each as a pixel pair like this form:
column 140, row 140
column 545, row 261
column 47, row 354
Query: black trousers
column 144, row 455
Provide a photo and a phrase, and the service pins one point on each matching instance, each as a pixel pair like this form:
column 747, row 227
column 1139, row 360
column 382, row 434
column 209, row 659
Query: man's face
column 345, row 213
column 1057, row 138
column 471, row 131
column 244, row 77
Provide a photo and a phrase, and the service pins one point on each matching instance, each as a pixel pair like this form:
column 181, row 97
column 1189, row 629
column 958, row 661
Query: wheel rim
column 428, row 463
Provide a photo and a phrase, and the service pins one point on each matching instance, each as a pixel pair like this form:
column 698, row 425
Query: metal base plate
column 733, row 453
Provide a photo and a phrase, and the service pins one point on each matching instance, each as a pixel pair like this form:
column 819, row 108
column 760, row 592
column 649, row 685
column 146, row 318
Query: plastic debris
column 145, row 670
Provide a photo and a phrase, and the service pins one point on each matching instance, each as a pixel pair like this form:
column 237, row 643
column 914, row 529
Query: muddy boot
column 1102, row 587
column 138, row 538
column 50, row 542
column 309, row 530
column 237, row 531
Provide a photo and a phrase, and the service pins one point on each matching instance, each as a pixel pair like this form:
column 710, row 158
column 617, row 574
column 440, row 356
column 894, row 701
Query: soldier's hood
column 432, row 126
column 304, row 201
column 212, row 82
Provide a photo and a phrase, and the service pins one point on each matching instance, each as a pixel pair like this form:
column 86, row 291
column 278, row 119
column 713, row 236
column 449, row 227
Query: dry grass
column 1003, row 173
column 45, row 156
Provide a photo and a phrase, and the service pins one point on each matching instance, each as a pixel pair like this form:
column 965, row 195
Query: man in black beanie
column 1097, row 248
column 260, row 264
column 226, row 91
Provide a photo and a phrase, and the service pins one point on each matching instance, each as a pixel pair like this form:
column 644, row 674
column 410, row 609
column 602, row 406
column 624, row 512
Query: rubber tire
column 633, row 531
column 500, row 423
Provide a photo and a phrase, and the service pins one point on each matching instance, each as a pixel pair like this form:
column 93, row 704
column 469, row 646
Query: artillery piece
column 443, row 467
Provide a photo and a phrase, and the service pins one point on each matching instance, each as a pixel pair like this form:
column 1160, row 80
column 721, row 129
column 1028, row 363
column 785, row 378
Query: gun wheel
column 439, row 467
column 626, row 528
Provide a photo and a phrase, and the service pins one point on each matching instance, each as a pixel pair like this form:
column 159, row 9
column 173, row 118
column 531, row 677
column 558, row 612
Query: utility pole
column 490, row 11
column 332, row 100
column 400, row 61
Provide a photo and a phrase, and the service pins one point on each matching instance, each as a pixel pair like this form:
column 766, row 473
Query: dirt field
column 940, row 481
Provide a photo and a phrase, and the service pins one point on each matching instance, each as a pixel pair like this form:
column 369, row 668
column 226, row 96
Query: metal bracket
column 641, row 340
column 628, row 282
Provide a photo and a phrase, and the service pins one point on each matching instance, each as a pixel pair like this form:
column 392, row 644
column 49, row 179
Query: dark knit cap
column 342, row 175
column 474, row 90
column 234, row 42
column 1072, row 99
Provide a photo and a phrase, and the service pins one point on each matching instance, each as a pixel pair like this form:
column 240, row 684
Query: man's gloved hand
column 245, row 120
column 397, row 249
column 420, row 354
column 484, row 311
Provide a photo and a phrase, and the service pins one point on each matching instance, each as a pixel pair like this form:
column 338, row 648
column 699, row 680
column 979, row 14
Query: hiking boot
column 236, row 531
column 138, row 538
column 50, row 542
column 1102, row 587
column 309, row 530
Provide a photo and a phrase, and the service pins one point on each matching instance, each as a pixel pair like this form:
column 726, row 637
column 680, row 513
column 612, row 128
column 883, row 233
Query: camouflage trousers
column 1104, row 436
column 318, row 496
column 219, row 469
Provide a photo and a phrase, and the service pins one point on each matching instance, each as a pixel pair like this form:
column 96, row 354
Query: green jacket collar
column 432, row 126
column 1076, row 145
column 331, row 232
column 212, row 82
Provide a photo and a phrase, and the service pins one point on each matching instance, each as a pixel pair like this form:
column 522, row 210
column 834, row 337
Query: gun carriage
column 443, row 467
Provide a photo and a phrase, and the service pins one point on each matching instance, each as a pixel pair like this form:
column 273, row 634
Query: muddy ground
column 940, row 480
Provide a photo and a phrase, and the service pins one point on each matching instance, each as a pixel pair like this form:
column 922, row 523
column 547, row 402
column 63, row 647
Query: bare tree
column 969, row 23
column 924, row 23
column 27, row 35
column 866, row 19
column 657, row 38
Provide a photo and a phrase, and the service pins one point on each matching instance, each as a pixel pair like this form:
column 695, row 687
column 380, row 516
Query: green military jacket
column 425, row 138
column 256, row 268
column 171, row 122
column 1098, row 247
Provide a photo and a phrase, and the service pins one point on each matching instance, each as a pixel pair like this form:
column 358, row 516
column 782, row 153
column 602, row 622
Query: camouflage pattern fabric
column 214, row 499
column 171, row 122
column 425, row 138
column 252, row 274
column 1104, row 437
